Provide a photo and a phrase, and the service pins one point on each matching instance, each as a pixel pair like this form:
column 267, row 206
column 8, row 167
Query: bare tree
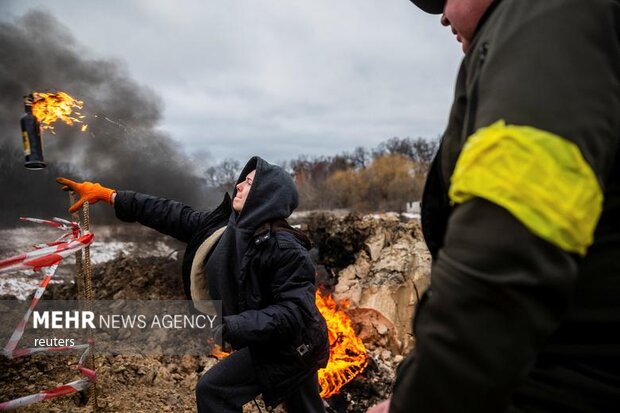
column 223, row 175
column 360, row 157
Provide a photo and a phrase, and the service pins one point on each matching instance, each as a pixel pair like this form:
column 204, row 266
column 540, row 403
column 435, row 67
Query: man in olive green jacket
column 521, row 213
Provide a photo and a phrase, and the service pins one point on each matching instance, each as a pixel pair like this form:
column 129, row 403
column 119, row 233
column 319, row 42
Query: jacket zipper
column 473, row 101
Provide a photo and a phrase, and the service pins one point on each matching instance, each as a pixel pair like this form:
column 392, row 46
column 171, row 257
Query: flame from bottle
column 51, row 107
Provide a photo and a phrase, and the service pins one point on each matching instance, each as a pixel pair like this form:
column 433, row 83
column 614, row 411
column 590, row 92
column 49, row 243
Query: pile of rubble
column 380, row 266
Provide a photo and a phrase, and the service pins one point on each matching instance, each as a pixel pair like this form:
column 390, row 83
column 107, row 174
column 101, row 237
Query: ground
column 167, row 383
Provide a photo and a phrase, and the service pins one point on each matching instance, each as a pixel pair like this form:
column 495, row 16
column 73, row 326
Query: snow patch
column 110, row 243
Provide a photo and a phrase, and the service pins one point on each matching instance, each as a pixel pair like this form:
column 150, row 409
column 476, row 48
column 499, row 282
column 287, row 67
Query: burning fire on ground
column 50, row 107
column 218, row 352
column 347, row 354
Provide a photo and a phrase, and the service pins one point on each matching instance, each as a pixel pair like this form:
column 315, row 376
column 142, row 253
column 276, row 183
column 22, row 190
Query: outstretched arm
column 166, row 216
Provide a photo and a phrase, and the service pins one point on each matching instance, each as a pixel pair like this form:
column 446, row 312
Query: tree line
column 384, row 178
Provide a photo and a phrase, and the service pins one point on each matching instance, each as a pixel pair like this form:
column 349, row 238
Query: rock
column 150, row 376
column 349, row 279
column 375, row 244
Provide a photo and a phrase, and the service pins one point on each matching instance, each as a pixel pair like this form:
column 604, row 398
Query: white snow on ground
column 21, row 283
column 403, row 216
column 410, row 216
column 110, row 243
column 101, row 252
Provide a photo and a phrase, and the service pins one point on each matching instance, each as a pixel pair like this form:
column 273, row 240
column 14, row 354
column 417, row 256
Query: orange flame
column 50, row 107
column 218, row 353
column 347, row 354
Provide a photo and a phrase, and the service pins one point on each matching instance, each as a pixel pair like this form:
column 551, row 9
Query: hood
column 273, row 195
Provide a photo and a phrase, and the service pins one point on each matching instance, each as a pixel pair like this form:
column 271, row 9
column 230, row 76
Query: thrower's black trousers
column 232, row 382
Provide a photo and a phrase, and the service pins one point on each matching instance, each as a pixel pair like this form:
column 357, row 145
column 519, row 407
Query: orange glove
column 87, row 191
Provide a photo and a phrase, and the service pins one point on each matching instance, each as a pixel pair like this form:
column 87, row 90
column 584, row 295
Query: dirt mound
column 153, row 278
column 125, row 384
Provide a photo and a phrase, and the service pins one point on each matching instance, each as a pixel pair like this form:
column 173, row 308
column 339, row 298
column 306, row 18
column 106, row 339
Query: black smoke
column 122, row 147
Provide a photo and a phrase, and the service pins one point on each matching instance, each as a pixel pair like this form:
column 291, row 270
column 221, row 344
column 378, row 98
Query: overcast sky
column 272, row 77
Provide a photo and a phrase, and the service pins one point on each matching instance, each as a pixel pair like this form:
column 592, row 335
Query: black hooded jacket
column 260, row 269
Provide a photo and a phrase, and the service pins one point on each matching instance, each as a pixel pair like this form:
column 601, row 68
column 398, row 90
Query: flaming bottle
column 31, row 137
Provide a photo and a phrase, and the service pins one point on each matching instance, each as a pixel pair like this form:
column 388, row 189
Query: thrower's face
column 243, row 189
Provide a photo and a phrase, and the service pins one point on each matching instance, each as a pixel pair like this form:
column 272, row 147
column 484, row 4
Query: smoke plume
column 122, row 147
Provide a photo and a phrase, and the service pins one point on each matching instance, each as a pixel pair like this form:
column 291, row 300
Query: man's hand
column 382, row 407
column 87, row 191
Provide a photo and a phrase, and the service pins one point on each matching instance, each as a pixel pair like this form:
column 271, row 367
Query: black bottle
column 31, row 137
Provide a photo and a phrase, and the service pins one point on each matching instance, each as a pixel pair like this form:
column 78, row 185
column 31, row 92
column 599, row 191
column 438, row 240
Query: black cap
column 430, row 6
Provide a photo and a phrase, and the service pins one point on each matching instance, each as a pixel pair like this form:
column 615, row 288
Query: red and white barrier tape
column 65, row 389
column 47, row 257
column 59, row 223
